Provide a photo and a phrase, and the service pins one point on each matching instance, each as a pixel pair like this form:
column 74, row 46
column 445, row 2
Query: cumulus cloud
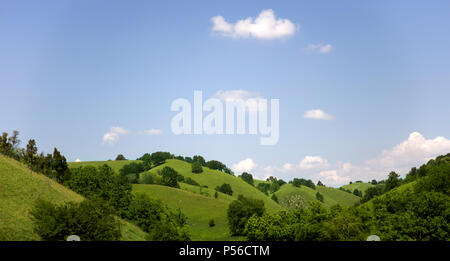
column 253, row 101
column 331, row 178
column 245, row 165
column 113, row 135
column 317, row 114
column 321, row 48
column 313, row 162
column 265, row 26
column 152, row 132
column 414, row 151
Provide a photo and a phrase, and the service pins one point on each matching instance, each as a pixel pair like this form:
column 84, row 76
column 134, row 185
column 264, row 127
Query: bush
column 211, row 223
column 91, row 221
column 197, row 167
column 274, row 198
column 225, row 188
column 241, row 210
column 319, row 196
column 169, row 177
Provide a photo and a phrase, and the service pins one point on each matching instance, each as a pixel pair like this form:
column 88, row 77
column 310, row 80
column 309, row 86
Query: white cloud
column 253, row 101
column 245, row 165
column 317, row 115
column 113, row 134
column 77, row 160
column 414, row 151
column 287, row 167
column 321, row 48
column 152, row 132
column 331, row 178
column 313, row 162
column 265, row 26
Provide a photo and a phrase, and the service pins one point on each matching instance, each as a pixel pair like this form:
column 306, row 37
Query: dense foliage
column 241, row 210
column 91, row 221
column 247, row 177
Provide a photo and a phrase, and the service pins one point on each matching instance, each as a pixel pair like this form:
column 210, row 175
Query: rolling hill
column 360, row 186
column 214, row 178
column 331, row 196
column 20, row 187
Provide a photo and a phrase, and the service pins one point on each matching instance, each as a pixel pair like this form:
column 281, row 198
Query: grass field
column 360, row 186
column 20, row 188
column 198, row 208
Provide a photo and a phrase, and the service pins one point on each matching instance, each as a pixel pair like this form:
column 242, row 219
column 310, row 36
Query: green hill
column 360, row 186
column 198, row 208
column 116, row 165
column 331, row 196
column 20, row 188
column 214, row 178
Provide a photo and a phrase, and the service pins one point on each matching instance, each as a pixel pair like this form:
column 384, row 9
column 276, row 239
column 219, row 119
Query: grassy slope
column 339, row 197
column 20, row 187
column 213, row 178
column 198, row 208
column 331, row 196
column 360, row 186
column 116, row 165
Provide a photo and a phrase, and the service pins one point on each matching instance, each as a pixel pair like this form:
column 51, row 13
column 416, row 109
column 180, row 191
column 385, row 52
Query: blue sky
column 72, row 70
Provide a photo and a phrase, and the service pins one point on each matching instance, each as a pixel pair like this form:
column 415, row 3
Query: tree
column 319, row 183
column 393, row 181
column 160, row 157
column 240, row 210
column 216, row 165
column 247, row 177
column 319, row 196
column 199, row 159
column 216, row 195
column 298, row 182
column 60, row 166
column 90, row 220
column 373, row 182
column 196, row 167
column 358, row 193
column 31, row 153
column 120, row 157
column 169, row 177
column 131, row 171
column 154, row 218
column 225, row 188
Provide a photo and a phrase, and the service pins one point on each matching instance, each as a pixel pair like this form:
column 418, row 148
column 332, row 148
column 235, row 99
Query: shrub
column 225, row 188
column 196, row 167
column 211, row 223
column 319, row 196
column 91, row 221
